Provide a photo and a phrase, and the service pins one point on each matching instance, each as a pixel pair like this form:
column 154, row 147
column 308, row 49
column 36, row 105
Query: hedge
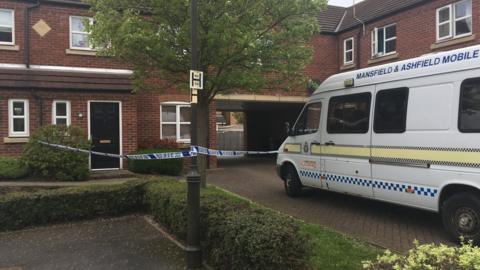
column 163, row 166
column 12, row 168
column 236, row 234
column 20, row 210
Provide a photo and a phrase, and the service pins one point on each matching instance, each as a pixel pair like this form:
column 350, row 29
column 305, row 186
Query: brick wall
column 51, row 48
column 79, row 105
column 416, row 33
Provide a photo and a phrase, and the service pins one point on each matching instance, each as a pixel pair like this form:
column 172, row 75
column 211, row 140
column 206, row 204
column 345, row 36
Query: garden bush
column 431, row 256
column 165, row 166
column 236, row 234
column 20, row 210
column 12, row 168
column 56, row 164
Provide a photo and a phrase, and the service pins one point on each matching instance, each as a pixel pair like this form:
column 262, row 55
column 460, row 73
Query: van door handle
column 330, row 143
column 315, row 143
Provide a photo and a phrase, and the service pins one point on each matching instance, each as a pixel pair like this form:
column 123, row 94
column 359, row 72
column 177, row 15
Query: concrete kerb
column 170, row 237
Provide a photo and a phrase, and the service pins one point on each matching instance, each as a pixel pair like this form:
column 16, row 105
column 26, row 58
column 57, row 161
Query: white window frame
column 450, row 35
column 177, row 122
column 453, row 28
column 90, row 48
column 345, row 51
column 25, row 117
column 54, row 112
column 374, row 34
column 12, row 26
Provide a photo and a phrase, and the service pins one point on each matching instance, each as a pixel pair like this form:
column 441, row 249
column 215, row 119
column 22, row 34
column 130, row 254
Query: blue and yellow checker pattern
column 375, row 184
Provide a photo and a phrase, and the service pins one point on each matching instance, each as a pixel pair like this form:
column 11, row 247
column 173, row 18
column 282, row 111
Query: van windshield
column 309, row 120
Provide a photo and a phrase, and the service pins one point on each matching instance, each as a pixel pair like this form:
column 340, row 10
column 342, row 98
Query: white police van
column 406, row 133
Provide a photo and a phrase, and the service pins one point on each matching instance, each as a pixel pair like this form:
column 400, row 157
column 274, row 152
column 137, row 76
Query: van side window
column 349, row 114
column 391, row 111
column 309, row 121
column 469, row 114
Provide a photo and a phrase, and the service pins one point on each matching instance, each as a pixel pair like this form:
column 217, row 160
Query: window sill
column 347, row 67
column 183, row 145
column 15, row 140
column 383, row 58
column 451, row 42
column 81, row 52
column 9, row 47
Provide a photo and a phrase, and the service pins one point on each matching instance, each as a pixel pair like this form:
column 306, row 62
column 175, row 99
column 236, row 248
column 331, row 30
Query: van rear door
column 346, row 142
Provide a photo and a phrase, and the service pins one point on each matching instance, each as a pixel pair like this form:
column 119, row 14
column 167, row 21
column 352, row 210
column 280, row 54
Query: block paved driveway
column 386, row 225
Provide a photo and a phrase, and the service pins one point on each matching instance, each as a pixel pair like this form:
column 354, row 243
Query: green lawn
column 331, row 250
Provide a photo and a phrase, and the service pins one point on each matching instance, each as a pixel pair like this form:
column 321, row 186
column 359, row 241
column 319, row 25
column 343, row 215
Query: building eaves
column 371, row 10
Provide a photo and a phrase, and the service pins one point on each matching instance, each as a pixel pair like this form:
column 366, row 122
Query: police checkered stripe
column 348, row 180
column 385, row 185
column 310, row 174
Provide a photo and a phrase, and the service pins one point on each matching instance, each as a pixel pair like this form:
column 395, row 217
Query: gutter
column 26, row 51
column 27, row 33
column 359, row 37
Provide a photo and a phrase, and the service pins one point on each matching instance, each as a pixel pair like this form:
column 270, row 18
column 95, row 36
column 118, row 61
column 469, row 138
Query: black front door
column 105, row 133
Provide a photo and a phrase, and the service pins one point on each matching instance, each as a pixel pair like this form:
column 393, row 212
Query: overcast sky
column 343, row 3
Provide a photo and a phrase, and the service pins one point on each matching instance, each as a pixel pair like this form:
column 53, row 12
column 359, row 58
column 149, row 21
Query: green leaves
column 244, row 45
column 54, row 164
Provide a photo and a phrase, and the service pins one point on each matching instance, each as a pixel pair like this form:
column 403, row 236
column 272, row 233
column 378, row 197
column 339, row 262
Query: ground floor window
column 175, row 121
column 18, row 118
column 61, row 113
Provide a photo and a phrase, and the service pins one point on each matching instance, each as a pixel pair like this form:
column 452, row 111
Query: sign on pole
column 196, row 79
column 196, row 83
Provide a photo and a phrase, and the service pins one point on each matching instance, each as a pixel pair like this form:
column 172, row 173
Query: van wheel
column 461, row 217
column 293, row 186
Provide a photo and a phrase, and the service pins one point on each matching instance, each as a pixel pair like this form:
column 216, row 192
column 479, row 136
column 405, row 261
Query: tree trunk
column 202, row 135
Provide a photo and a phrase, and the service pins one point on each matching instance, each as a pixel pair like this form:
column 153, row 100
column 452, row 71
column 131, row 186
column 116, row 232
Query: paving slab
column 383, row 224
column 121, row 244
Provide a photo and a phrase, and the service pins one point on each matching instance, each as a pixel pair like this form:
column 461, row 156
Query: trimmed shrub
column 431, row 256
column 158, row 144
column 12, row 168
column 56, row 164
column 20, row 210
column 236, row 234
column 163, row 166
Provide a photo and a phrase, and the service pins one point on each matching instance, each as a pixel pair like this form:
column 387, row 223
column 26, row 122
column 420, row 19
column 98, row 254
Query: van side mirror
column 288, row 129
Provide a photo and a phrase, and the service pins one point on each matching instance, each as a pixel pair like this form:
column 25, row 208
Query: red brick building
column 49, row 74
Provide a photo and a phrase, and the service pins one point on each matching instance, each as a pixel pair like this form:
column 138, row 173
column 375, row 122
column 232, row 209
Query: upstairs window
column 454, row 20
column 18, row 118
column 7, row 27
column 61, row 113
column 79, row 37
column 175, row 122
column 384, row 40
column 348, row 51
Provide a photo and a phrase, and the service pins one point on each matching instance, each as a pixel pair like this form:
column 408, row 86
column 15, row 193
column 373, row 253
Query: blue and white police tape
column 194, row 151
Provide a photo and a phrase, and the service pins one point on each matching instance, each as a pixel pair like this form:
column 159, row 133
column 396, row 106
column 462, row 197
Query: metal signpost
column 194, row 252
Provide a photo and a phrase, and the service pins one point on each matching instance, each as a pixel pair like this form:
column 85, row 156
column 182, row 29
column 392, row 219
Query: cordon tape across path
column 194, row 151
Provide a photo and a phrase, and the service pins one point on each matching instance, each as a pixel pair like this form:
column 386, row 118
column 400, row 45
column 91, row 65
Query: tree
column 247, row 45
